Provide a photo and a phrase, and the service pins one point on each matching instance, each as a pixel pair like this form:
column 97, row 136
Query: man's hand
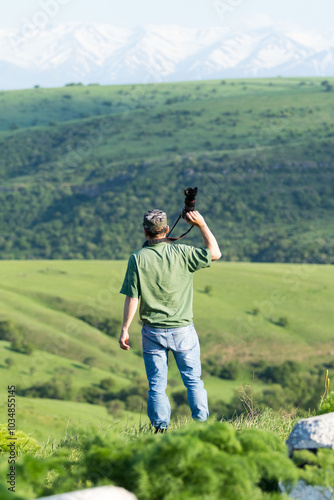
column 130, row 307
column 124, row 340
column 195, row 219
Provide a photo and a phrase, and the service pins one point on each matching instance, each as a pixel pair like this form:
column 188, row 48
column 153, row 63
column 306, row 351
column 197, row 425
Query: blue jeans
column 184, row 344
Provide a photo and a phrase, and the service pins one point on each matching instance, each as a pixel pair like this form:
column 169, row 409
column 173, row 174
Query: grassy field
column 38, row 107
column 45, row 299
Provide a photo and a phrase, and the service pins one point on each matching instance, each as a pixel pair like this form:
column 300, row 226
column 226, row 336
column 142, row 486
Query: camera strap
column 182, row 235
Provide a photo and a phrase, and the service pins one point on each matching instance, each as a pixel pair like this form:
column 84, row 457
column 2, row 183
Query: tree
column 328, row 87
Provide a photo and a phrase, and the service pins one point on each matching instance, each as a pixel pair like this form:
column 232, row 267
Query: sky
column 234, row 14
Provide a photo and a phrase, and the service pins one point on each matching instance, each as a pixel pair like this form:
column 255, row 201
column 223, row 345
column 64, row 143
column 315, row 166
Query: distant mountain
column 108, row 54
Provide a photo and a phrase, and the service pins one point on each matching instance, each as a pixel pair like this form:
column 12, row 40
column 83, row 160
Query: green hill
column 237, row 306
column 80, row 165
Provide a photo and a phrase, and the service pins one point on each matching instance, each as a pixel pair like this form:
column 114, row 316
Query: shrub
column 283, row 321
column 107, row 383
column 55, row 388
column 10, row 362
column 231, row 371
column 196, row 461
column 136, row 404
column 22, row 346
column 327, row 405
column 8, row 331
column 138, row 388
column 5, row 494
column 92, row 395
column 24, row 443
column 89, row 361
column 116, row 407
column 209, row 461
column 280, row 374
column 109, row 326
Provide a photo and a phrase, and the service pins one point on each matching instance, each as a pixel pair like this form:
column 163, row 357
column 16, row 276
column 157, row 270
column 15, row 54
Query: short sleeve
column 198, row 258
column 131, row 285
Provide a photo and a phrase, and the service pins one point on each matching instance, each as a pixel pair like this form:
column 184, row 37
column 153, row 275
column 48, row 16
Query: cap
column 155, row 220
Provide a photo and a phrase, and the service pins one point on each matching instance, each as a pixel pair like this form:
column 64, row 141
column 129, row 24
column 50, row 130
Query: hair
column 152, row 235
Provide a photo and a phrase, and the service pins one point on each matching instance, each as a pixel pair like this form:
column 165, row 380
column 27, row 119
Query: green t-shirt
column 162, row 276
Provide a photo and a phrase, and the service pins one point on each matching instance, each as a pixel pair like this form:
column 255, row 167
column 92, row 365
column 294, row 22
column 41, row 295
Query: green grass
column 43, row 297
column 302, row 293
column 48, row 420
column 40, row 106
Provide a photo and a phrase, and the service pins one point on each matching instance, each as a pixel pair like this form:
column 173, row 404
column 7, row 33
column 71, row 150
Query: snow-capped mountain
column 104, row 54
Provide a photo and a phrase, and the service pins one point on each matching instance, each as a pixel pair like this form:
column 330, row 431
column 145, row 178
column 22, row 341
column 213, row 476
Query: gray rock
column 102, row 493
column 305, row 491
column 311, row 433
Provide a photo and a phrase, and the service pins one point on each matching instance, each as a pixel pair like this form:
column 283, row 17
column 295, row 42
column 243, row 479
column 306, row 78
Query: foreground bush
column 23, row 444
column 212, row 461
column 198, row 462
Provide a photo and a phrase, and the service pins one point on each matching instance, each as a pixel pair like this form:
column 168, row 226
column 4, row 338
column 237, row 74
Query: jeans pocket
column 151, row 342
column 186, row 340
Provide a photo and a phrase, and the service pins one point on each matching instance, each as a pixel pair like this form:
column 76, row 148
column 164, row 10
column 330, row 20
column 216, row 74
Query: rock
column 305, row 491
column 311, row 433
column 102, row 493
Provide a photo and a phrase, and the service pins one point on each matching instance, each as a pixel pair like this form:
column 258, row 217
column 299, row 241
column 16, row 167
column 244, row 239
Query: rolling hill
column 46, row 300
column 80, row 165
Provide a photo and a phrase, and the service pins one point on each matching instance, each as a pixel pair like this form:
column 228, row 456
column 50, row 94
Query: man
column 161, row 274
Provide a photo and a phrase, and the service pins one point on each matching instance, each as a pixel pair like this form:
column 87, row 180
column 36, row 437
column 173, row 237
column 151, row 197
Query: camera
column 189, row 206
column 190, row 201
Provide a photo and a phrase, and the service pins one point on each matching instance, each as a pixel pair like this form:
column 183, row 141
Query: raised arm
column 130, row 308
column 196, row 219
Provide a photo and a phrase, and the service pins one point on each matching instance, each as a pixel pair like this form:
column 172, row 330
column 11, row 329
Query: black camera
column 190, row 201
column 189, row 206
